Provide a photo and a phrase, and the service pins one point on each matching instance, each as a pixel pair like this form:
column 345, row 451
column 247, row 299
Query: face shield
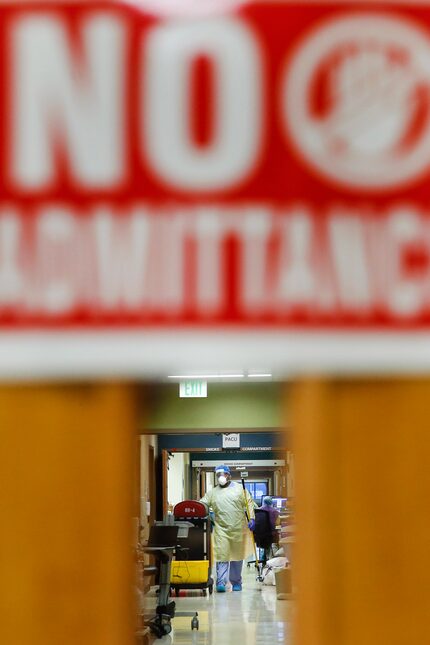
column 223, row 477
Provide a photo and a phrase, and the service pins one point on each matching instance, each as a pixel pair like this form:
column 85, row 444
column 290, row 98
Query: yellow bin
column 186, row 572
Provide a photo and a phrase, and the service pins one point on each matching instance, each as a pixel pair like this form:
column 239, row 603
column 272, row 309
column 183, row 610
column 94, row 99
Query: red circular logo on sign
column 356, row 101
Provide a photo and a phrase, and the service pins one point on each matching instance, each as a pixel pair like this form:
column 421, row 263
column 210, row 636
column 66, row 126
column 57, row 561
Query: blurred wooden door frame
column 66, row 494
column 363, row 498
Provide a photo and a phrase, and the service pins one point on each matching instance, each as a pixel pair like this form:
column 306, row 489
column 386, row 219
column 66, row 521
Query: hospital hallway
column 239, row 428
column 254, row 615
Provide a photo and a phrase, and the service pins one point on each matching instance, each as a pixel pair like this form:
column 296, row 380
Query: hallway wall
column 176, row 477
column 146, row 441
column 228, row 405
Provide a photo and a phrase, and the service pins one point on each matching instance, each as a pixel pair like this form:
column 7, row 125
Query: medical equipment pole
column 248, row 517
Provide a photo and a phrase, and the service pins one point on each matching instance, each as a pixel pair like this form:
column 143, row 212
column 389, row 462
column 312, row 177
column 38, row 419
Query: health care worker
column 232, row 537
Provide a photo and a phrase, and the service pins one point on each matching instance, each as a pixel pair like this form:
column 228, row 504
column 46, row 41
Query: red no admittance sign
column 223, row 189
column 265, row 167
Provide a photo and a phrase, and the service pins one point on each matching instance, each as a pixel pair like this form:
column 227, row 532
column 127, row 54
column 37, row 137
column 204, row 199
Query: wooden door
column 363, row 491
column 66, row 499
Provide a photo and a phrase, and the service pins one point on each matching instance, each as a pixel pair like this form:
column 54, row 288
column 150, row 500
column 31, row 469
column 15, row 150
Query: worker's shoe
column 237, row 587
column 220, row 588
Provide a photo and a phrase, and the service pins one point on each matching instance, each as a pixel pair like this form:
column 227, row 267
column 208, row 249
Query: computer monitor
column 279, row 502
column 163, row 536
column 192, row 547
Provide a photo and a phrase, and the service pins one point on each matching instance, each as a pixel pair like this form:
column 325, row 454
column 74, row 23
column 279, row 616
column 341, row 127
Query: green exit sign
column 195, row 389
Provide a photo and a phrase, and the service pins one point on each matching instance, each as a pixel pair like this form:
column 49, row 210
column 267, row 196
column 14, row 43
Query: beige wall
column 291, row 474
column 145, row 442
column 176, row 478
column 232, row 405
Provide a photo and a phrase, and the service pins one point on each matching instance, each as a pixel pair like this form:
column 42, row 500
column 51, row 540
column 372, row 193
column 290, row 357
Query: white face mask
column 222, row 480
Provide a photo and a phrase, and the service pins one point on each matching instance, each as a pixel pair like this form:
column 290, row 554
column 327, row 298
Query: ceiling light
column 205, row 376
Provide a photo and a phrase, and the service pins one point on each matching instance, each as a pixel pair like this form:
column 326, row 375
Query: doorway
column 186, row 475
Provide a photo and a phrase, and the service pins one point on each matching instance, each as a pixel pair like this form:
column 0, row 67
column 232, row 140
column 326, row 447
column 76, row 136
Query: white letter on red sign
column 230, row 156
column 122, row 248
column 255, row 229
column 297, row 283
column 406, row 293
column 347, row 238
column 59, row 100
column 11, row 280
column 57, row 243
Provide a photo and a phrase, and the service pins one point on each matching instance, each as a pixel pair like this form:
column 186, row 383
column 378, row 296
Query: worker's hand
column 251, row 525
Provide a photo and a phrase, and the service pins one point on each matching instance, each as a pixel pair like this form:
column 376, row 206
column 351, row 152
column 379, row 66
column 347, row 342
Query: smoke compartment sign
column 231, row 440
column 239, row 464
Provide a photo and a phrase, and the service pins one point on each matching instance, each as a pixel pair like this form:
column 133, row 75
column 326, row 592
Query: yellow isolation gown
column 232, row 538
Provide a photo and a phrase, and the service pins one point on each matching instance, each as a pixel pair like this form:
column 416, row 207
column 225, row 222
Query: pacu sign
column 268, row 165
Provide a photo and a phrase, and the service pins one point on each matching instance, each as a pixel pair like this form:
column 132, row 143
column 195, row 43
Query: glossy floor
column 253, row 616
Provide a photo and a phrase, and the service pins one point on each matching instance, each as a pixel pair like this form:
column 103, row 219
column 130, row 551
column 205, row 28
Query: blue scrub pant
column 222, row 572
